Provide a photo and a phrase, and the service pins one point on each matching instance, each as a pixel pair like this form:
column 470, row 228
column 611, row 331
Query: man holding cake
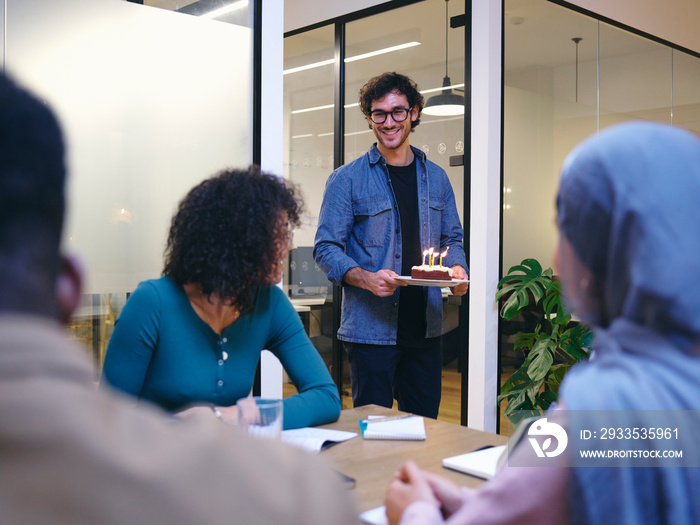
column 383, row 214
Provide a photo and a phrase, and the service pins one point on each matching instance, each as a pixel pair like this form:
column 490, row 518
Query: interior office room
column 157, row 95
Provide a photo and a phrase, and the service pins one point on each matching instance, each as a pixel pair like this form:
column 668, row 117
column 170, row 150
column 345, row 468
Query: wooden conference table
column 373, row 462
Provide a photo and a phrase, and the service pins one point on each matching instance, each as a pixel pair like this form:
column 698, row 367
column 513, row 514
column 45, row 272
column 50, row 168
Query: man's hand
column 448, row 493
column 381, row 283
column 410, row 484
column 459, row 273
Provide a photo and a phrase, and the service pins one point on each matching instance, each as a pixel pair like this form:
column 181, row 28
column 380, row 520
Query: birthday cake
column 433, row 273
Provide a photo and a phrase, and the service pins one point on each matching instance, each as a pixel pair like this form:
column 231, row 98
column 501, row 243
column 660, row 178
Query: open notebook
column 486, row 462
column 482, row 463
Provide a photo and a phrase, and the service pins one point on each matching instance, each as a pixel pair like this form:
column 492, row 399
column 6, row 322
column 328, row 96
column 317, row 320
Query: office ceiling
column 554, row 24
column 539, row 34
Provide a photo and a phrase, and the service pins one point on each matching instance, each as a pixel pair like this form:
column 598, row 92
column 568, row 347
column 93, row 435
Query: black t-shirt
column 411, row 326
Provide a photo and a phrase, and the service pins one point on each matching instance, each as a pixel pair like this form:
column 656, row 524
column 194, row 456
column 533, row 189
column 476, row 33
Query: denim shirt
column 359, row 226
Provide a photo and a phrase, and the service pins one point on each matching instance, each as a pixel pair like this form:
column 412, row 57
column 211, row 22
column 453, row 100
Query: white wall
column 271, row 370
column 151, row 103
column 485, row 214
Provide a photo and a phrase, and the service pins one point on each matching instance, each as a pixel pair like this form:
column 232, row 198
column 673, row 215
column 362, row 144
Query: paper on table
column 403, row 427
column 375, row 516
column 486, row 462
column 483, row 463
column 315, row 439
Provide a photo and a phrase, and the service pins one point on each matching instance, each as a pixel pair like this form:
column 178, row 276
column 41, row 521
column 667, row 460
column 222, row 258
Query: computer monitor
column 305, row 277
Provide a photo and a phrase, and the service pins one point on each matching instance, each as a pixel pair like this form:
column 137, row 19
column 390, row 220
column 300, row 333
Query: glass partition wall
column 567, row 76
column 417, row 41
column 151, row 102
column 308, row 160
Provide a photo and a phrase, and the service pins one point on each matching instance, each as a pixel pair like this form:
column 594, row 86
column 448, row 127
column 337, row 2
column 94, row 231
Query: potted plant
column 555, row 344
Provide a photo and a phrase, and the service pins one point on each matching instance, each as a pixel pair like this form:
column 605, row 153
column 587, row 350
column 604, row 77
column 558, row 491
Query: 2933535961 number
column 638, row 433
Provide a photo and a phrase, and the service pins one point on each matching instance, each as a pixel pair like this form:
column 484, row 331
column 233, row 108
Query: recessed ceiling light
column 351, row 59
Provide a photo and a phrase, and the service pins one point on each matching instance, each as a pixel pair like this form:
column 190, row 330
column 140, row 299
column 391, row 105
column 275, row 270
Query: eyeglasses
column 399, row 114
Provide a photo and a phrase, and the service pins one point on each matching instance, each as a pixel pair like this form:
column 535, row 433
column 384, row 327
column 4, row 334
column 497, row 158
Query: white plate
column 431, row 282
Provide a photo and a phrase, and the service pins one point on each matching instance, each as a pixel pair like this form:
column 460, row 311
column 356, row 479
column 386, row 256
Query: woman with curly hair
column 194, row 336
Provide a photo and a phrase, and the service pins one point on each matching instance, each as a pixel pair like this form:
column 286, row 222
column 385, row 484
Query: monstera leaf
column 519, row 287
column 534, row 386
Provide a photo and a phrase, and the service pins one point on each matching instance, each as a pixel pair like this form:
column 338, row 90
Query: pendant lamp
column 577, row 40
column 446, row 103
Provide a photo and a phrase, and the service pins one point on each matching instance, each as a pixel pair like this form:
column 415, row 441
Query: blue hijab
column 629, row 203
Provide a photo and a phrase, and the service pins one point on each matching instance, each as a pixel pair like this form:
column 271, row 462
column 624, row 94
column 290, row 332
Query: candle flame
column 443, row 254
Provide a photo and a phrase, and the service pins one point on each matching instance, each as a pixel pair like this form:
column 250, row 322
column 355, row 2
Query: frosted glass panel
column 635, row 85
column 151, row 103
column 686, row 95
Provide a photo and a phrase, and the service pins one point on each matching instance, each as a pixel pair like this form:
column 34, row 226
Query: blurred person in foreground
column 629, row 258
column 70, row 454
column 195, row 335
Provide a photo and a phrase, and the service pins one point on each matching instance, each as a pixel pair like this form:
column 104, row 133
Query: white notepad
column 405, row 427
column 484, row 463
column 315, row 439
column 375, row 516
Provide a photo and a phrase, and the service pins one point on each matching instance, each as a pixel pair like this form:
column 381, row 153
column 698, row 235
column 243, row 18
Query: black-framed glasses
column 399, row 114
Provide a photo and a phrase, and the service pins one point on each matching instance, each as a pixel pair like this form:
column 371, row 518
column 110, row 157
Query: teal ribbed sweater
column 163, row 352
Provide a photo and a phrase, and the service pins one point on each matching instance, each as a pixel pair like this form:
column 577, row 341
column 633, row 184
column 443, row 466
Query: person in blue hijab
column 629, row 255
column 628, row 211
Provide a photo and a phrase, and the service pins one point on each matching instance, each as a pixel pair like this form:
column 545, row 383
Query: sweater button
column 398, row 256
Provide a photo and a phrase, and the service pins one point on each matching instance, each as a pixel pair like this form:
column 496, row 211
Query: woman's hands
column 411, row 484
column 226, row 414
column 229, row 414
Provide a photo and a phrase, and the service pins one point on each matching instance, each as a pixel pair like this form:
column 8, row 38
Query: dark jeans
column 382, row 373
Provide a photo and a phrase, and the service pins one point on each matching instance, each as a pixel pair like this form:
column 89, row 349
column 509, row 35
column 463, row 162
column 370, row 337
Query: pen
column 382, row 419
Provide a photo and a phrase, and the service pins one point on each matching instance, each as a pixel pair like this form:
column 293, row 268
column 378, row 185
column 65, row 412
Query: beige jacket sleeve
column 71, row 454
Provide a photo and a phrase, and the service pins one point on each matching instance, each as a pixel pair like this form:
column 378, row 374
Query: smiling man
column 378, row 215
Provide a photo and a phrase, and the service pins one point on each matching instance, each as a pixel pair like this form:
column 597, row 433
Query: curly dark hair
column 382, row 85
column 225, row 232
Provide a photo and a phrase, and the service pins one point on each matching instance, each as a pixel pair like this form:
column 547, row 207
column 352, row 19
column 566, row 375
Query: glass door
column 424, row 41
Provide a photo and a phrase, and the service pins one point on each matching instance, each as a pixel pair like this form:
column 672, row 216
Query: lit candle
column 430, row 257
column 443, row 254
column 425, row 252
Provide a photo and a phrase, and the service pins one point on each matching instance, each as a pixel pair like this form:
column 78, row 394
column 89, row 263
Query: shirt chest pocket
column 373, row 221
column 437, row 206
